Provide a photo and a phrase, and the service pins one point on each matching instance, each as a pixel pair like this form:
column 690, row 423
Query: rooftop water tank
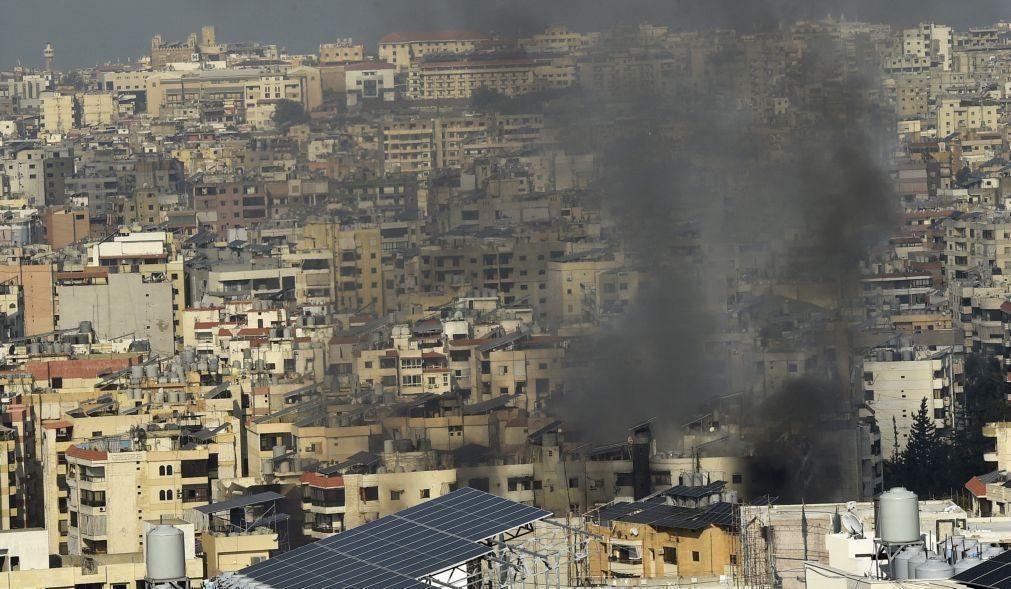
column 966, row 564
column 900, row 564
column 990, row 552
column 935, row 567
column 136, row 373
column 165, row 554
column 914, row 561
column 970, row 548
column 898, row 516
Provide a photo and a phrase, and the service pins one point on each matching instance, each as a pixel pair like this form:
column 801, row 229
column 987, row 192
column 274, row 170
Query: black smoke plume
column 693, row 173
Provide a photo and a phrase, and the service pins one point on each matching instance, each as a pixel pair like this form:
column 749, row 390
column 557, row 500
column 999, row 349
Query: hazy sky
column 87, row 32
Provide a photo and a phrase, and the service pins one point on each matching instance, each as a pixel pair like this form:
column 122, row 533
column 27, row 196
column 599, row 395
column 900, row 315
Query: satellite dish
column 634, row 531
column 851, row 524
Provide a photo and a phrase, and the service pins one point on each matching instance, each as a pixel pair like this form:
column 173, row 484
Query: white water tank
column 165, row 554
column 966, row 564
column 900, row 564
column 935, row 567
column 898, row 516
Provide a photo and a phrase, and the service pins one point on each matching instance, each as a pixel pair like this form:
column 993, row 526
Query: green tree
column 288, row 113
column 925, row 457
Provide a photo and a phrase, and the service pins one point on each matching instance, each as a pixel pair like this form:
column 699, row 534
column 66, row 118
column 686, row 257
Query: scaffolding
column 755, row 539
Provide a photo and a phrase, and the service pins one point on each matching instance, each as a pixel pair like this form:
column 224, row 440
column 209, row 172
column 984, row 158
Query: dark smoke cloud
column 692, row 175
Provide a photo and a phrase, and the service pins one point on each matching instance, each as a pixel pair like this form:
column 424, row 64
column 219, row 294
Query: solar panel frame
column 974, row 576
column 395, row 551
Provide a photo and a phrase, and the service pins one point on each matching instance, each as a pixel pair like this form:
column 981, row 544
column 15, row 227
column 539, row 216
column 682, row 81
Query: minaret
column 49, row 53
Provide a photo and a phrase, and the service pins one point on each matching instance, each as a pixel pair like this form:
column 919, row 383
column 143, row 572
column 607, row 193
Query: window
column 411, row 380
column 455, row 431
column 395, row 495
column 670, row 554
column 696, row 557
column 368, row 364
column 737, row 479
column 425, row 493
column 573, row 482
column 370, row 493
column 481, row 484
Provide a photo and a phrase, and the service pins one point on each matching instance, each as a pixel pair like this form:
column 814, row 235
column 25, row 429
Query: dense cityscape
column 636, row 306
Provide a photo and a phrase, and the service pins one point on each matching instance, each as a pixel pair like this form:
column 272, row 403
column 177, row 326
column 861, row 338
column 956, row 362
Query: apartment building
column 359, row 274
column 171, row 93
column 896, row 381
column 60, row 113
column 962, row 114
column 342, row 50
column 224, row 202
column 897, row 291
column 117, row 484
column 457, row 77
column 64, row 226
column 574, row 286
column 35, row 173
column 516, row 268
column 98, row 108
column 977, row 244
column 403, row 49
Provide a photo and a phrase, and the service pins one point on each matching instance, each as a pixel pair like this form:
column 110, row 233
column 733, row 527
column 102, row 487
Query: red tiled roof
column 976, row 486
column 75, row 452
column 446, row 35
column 224, row 332
column 206, row 324
column 253, row 331
column 58, row 424
column 317, row 480
column 432, row 355
column 83, row 368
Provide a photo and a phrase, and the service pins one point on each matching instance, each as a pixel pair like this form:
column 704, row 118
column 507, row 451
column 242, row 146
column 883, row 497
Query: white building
column 896, row 380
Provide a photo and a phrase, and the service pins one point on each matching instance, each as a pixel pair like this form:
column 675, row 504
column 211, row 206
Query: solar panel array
column 395, row 551
column 658, row 514
column 694, row 492
column 995, row 573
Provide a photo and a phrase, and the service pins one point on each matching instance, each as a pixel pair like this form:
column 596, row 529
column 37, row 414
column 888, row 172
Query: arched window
column 168, row 470
column 161, row 470
column 168, row 494
column 161, row 495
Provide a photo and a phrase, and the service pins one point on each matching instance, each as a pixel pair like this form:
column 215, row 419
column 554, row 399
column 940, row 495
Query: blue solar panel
column 394, row 552
column 472, row 514
column 995, row 573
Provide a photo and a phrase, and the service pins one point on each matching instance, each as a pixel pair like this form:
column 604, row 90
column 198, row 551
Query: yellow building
column 960, row 114
column 457, row 78
column 404, row 48
column 97, row 108
column 116, row 483
column 696, row 543
column 59, row 113
column 343, row 50
column 358, row 265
